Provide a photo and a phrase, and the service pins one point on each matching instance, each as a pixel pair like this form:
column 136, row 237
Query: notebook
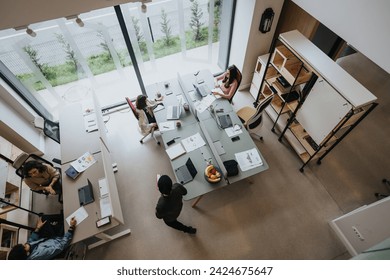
column 186, row 173
column 72, row 172
column 86, row 194
column 175, row 151
column 201, row 90
column 225, row 121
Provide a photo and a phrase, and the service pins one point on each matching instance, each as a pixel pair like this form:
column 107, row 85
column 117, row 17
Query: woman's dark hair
column 140, row 103
column 31, row 165
column 233, row 75
column 17, row 253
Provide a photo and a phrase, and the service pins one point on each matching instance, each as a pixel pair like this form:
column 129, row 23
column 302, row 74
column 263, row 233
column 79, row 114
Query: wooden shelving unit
column 316, row 103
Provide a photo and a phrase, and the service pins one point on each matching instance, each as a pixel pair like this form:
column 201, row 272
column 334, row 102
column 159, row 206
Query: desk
column 75, row 141
column 174, row 94
column 204, row 124
column 72, row 130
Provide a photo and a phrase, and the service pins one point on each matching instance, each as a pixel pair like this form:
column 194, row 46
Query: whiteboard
column 322, row 110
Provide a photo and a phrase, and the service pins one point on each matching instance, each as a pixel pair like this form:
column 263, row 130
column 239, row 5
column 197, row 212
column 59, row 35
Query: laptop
column 86, row 194
column 225, row 121
column 186, row 173
column 201, row 90
column 174, row 111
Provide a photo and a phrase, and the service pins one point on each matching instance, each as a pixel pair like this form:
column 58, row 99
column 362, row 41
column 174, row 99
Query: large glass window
column 71, row 57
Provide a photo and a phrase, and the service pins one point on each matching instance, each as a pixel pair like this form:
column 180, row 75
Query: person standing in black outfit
column 170, row 204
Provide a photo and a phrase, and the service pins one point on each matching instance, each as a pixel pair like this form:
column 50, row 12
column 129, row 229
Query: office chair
column 239, row 78
column 252, row 118
column 23, row 158
column 382, row 195
column 135, row 113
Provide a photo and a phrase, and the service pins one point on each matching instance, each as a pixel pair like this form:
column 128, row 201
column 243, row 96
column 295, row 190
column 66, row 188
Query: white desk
column 205, row 124
column 75, row 141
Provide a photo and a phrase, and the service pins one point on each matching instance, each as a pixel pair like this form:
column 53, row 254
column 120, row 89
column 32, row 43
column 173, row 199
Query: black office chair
column 22, row 159
column 382, row 195
column 50, row 129
column 252, row 118
column 135, row 113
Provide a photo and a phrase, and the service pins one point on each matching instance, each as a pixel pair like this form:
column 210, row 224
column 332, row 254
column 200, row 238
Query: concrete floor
column 281, row 214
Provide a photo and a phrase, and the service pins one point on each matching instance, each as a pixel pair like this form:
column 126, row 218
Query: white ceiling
column 362, row 23
column 14, row 13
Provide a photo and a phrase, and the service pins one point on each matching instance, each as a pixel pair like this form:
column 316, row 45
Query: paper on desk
column 165, row 126
column 193, row 142
column 80, row 215
column 233, row 131
column 90, row 122
column 103, row 187
column 83, row 162
column 175, row 151
column 204, row 103
column 105, row 206
column 248, row 159
column 158, row 107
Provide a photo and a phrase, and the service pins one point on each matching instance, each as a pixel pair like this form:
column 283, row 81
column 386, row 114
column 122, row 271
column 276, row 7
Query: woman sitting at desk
column 41, row 177
column 146, row 119
column 230, row 82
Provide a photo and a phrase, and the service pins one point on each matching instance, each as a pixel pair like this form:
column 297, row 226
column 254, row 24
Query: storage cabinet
column 258, row 75
column 316, row 103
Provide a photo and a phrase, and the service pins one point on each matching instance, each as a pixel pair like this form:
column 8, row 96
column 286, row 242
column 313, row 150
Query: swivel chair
column 135, row 113
column 22, row 159
column 252, row 118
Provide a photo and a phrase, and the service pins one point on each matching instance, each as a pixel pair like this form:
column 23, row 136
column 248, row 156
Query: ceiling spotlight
column 79, row 22
column 30, row 32
column 144, row 8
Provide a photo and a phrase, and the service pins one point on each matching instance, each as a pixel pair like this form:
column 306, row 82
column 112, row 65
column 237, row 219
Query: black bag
column 231, row 167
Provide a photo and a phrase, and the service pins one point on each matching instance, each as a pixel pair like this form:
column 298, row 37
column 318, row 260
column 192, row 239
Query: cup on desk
column 186, row 107
column 178, row 124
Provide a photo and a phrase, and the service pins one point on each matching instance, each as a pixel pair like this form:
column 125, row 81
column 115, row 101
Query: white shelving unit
column 316, row 103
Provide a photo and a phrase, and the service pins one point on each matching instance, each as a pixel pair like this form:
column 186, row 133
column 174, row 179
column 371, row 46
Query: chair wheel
column 141, row 141
column 158, row 143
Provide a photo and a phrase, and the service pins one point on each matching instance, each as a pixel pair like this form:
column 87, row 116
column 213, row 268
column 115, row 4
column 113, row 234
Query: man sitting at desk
column 170, row 204
column 38, row 248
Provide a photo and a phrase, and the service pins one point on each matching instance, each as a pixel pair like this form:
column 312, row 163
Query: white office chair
column 252, row 118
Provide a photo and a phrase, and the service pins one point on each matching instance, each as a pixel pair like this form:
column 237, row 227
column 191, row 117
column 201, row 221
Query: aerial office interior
column 346, row 180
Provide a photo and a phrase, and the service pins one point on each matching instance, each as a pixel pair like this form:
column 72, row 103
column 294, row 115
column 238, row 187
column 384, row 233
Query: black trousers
column 177, row 225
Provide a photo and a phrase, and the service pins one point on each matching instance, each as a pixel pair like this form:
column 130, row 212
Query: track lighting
column 144, row 8
column 30, row 32
column 79, row 22
column 77, row 19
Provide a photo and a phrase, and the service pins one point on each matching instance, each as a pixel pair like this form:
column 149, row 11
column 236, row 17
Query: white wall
column 247, row 41
column 362, row 23
column 16, row 122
